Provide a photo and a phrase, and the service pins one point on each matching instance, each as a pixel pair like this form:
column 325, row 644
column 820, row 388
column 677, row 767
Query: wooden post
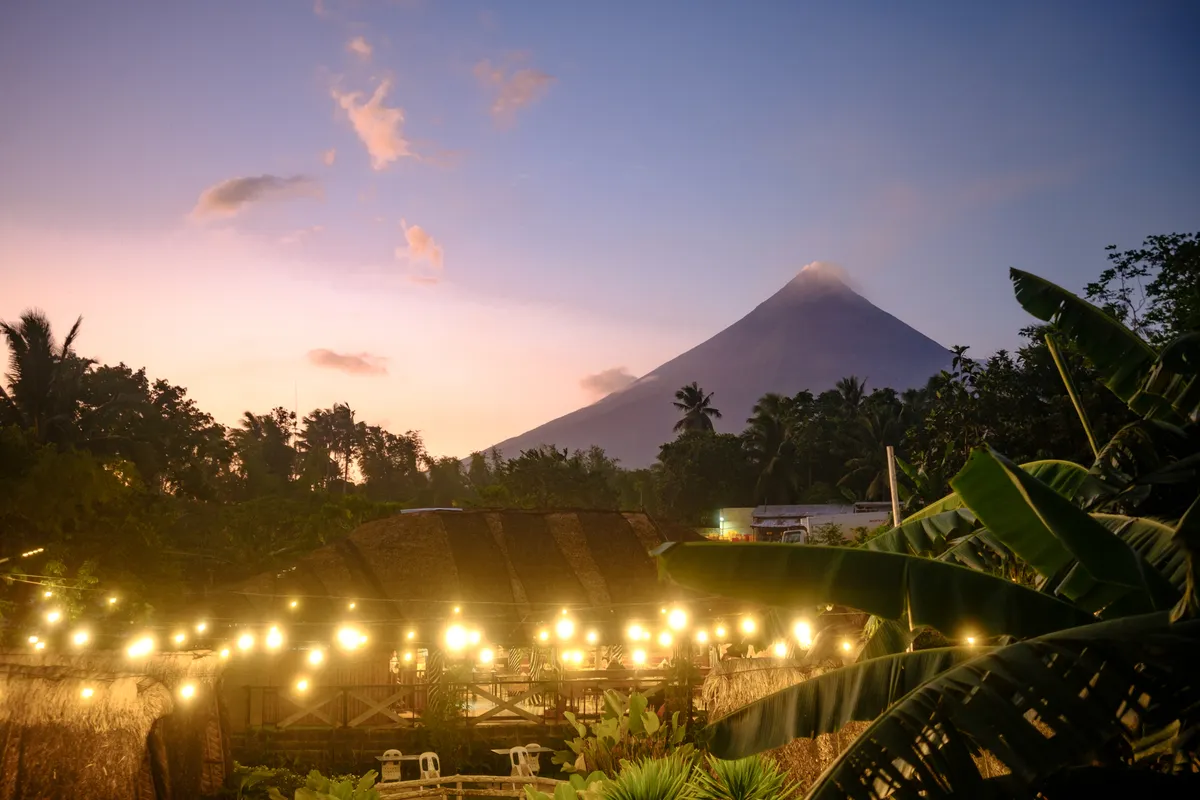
column 891, row 459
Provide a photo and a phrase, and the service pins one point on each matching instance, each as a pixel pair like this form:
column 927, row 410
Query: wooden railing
column 507, row 700
column 461, row 786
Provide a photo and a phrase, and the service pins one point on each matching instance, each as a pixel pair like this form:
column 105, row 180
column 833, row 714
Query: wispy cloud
column 380, row 127
column 422, row 253
column 299, row 235
column 231, row 196
column 350, row 363
column 514, row 89
column 360, row 47
column 607, row 381
column 329, row 156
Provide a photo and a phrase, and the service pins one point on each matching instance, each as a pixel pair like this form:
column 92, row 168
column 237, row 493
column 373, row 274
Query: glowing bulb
column 141, row 648
column 846, row 646
column 577, row 656
column 720, row 631
column 224, row 652
column 662, row 610
column 80, row 638
column 274, row 638
column 456, row 637
column 639, row 657
column 201, row 627
column 664, row 639
column 970, row 640
column 362, row 638
column 40, row 646
column 803, row 633
column 187, row 691
column 112, row 601
column 645, row 636
column 457, row 610
column 302, row 685
column 180, row 638
column 315, row 657
column 47, row 594
column 701, row 636
column 348, row 638
column 677, row 620
column 53, row 617
column 410, row 635
column 593, row 637
column 635, row 632
column 780, row 649
column 294, row 604
column 749, row 625
column 565, row 628
column 486, row 656
column 33, row 640
column 408, row 656
column 351, row 606
column 474, row 636
column 87, row 693
column 245, row 641
column 544, row 635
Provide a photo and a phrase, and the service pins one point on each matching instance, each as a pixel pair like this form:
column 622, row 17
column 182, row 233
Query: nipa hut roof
column 508, row 570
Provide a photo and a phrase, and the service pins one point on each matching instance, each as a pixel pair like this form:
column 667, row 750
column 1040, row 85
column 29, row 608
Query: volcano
column 808, row 335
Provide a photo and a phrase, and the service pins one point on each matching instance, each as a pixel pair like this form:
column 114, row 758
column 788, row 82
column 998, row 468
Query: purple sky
column 451, row 215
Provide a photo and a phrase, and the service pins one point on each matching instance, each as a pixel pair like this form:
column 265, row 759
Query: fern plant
column 753, row 778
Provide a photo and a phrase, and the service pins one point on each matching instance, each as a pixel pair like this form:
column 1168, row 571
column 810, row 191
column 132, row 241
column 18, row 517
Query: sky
column 467, row 218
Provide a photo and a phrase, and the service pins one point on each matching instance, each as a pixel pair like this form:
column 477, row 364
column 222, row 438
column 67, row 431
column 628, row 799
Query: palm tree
column 698, row 412
column 769, row 438
column 853, row 393
column 44, row 378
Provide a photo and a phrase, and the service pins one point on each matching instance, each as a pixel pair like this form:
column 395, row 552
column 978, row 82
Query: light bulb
column 201, row 627
column 408, row 656
column 677, row 620
column 593, row 637
column 544, row 636
column 970, row 640
column 274, row 639
column 664, row 639
column 187, row 691
column 486, row 656
column 639, row 657
column 80, row 638
column 474, row 636
column 565, row 628
column 410, row 635
column 749, row 625
column 87, row 693
column 179, row 638
column 224, row 652
column 635, row 632
column 846, row 646
column 349, row 638
column 701, row 636
column 456, row 637
column 53, row 617
column 141, row 647
column 40, row 646
column 294, row 604
column 803, row 633
column 315, row 657
column 351, row 605
column 720, row 631
column 245, row 641
column 780, row 649
column 33, row 640
column 302, row 685
column 112, row 601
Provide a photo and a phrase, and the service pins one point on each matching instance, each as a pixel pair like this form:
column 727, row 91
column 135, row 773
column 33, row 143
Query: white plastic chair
column 389, row 770
column 430, row 766
column 518, row 757
column 531, row 753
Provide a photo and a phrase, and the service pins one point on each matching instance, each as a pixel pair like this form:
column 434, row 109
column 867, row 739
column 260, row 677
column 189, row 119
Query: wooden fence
column 499, row 701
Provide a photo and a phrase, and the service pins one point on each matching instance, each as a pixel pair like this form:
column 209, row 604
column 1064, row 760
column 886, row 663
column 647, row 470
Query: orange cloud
column 420, row 246
column 380, row 128
column 329, row 156
column 230, row 197
column 359, row 46
column 350, row 363
column 607, row 381
column 513, row 90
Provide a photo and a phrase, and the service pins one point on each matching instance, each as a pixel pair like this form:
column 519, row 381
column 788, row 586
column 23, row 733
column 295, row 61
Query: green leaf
column 637, row 711
column 1187, row 537
column 651, row 723
column 945, row 596
column 824, row 704
column 1045, row 529
column 924, row 536
column 1080, row 685
column 565, row 791
column 1065, row 477
column 1118, row 354
column 889, row 636
column 366, row 781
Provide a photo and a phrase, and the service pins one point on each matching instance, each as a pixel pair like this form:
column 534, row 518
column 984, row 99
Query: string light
column 112, row 601
column 201, row 627
column 302, row 685
column 677, row 620
column 316, row 656
column 224, row 652
column 665, row 639
column 803, row 633
column 474, row 637
column 294, row 604
column 47, row 594
column 635, row 632
column 33, row 640
column 87, row 692
column 701, row 636
column 187, row 691
column 180, row 638
column 970, row 640
column 245, row 641
column 456, row 637
column 565, row 628
column 141, row 647
column 410, row 635
column 80, row 638
column 846, row 646
column 639, row 657
column 457, row 610
column 780, row 649
column 349, row 638
column 720, row 631
column 486, row 656
column 407, row 655
column 592, row 637
column 40, row 646
column 749, row 625
column 544, row 635
column 351, row 605
column 53, row 617
column 274, row 639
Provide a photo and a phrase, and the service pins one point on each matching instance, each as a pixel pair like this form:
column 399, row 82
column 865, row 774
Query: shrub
column 753, row 778
column 628, row 731
column 652, row 779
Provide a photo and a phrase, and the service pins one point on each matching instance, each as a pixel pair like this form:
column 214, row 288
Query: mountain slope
column 812, row 332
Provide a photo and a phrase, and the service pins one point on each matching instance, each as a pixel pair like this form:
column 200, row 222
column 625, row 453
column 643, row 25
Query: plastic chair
column 389, row 770
column 532, row 749
column 518, row 757
column 430, row 766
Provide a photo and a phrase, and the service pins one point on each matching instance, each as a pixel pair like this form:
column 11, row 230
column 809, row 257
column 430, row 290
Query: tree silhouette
column 697, row 408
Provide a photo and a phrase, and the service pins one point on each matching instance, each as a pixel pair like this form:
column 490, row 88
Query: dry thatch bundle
column 93, row 726
column 734, row 683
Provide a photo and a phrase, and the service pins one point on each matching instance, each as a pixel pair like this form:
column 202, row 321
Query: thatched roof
column 509, row 571
column 80, row 724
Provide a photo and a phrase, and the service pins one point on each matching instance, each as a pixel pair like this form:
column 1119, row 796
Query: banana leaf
column 1052, row 535
column 1187, row 537
column 947, row 597
column 884, row 638
column 1065, row 477
column 855, row 693
column 925, row 536
column 1038, row 706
